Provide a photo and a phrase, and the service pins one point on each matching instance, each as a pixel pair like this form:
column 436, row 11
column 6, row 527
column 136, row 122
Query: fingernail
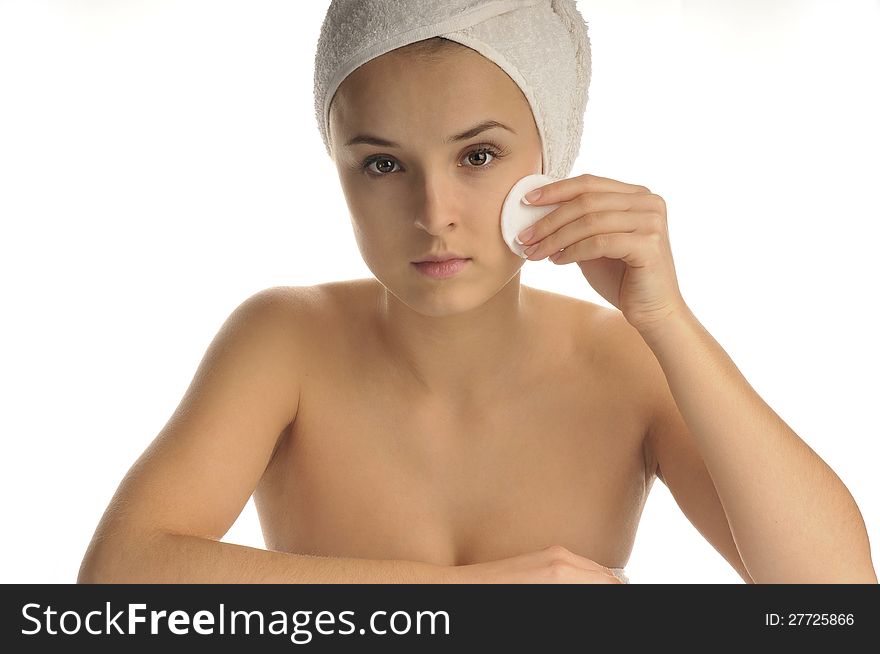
column 531, row 196
column 525, row 235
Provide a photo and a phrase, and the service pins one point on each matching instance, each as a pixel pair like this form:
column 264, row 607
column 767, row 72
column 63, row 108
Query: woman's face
column 429, row 194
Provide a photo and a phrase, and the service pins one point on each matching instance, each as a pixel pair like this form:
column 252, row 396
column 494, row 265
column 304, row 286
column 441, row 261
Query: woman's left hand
column 617, row 234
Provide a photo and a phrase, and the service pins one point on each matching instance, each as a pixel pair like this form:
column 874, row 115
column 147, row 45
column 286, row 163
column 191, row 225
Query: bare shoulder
column 279, row 323
column 317, row 315
column 288, row 298
column 273, row 322
column 292, row 307
column 331, row 298
column 602, row 333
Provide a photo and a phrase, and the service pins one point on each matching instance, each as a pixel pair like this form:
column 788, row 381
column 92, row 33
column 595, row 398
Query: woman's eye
column 475, row 158
column 380, row 161
column 481, row 153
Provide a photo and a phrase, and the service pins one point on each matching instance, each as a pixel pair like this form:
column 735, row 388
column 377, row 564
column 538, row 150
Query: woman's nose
column 438, row 210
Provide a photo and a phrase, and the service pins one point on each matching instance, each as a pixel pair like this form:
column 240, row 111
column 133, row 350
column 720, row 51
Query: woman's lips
column 441, row 269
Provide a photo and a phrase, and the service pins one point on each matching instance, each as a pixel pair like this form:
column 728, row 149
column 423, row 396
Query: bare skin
column 555, row 457
column 406, row 428
column 481, row 419
column 359, row 476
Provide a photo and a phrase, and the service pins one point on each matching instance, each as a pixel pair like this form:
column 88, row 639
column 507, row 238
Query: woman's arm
column 792, row 518
column 164, row 558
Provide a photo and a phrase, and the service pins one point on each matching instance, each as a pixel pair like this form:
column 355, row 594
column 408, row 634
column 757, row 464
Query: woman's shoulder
column 317, row 311
column 310, row 300
column 602, row 336
column 328, row 295
column 592, row 327
column 283, row 304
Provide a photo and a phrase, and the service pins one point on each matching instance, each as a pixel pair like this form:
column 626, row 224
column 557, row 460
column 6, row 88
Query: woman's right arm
column 166, row 558
column 181, row 496
column 171, row 558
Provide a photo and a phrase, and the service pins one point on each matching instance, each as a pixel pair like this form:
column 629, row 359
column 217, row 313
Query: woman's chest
column 364, row 473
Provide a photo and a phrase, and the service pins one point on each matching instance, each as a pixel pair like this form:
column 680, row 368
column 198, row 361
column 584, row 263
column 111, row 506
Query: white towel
column 542, row 45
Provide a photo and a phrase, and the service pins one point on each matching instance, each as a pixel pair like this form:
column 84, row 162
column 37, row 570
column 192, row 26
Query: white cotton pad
column 516, row 216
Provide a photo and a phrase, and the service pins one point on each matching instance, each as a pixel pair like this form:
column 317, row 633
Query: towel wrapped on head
column 542, row 45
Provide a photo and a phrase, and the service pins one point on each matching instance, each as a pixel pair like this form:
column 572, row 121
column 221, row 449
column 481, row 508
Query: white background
column 160, row 162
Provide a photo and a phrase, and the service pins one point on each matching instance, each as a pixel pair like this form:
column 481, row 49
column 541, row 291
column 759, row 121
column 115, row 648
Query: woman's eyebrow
column 466, row 134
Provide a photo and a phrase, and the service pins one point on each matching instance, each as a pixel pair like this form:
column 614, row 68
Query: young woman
column 445, row 423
